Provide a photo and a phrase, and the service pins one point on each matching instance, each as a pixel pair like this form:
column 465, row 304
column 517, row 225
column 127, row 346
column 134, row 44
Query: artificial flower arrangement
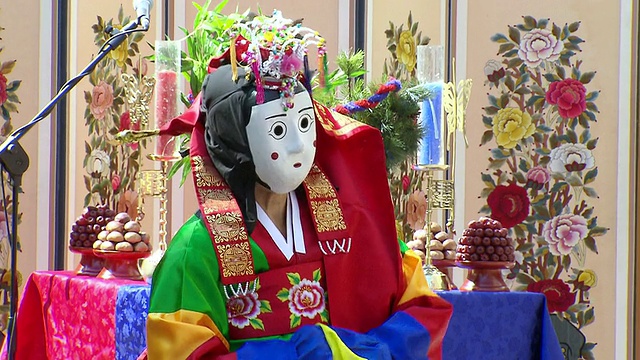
column 541, row 173
column 112, row 169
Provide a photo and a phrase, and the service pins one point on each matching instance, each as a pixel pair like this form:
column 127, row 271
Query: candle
column 430, row 150
column 430, row 73
column 167, row 93
column 166, row 108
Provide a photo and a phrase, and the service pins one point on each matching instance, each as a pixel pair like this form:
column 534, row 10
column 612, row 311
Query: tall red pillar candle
column 166, row 109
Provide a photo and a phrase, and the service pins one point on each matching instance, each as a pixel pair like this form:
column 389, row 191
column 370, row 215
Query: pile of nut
column 100, row 228
column 122, row 234
column 485, row 240
column 85, row 230
column 441, row 244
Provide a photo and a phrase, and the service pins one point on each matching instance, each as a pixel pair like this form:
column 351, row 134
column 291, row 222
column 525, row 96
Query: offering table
column 64, row 316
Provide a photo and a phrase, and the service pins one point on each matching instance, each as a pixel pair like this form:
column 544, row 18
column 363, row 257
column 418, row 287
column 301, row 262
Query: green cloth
column 190, row 268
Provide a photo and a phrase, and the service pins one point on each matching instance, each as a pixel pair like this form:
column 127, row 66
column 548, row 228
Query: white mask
column 282, row 143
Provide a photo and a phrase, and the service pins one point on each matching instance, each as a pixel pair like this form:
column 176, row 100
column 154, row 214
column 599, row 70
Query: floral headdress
column 273, row 49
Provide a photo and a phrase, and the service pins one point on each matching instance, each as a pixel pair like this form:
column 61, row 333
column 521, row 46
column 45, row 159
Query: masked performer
column 293, row 253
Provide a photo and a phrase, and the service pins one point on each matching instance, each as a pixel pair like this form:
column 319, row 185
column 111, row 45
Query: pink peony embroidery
column 306, row 299
column 242, row 308
column 570, row 97
column 563, row 232
column 537, row 176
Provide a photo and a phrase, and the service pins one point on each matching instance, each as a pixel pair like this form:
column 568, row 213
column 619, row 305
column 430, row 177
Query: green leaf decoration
column 525, row 247
column 316, row 275
column 591, row 192
column 525, row 278
column 574, row 180
column 590, row 242
column 256, row 324
column 294, row 278
column 514, row 34
column 590, row 176
column 586, row 77
column 283, row 294
column 499, row 38
column 530, row 22
column 324, row 316
column 598, row 231
column 294, row 321
column 486, row 137
column 488, row 180
column 265, row 306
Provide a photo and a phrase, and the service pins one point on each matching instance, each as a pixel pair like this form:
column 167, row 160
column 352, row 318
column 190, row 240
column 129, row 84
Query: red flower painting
column 558, row 294
column 509, row 204
column 569, row 95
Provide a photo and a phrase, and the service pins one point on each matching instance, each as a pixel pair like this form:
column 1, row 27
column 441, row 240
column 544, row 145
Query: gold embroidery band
column 223, row 219
column 326, row 212
column 337, row 124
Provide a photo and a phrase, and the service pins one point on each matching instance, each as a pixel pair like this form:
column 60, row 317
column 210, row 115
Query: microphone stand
column 15, row 161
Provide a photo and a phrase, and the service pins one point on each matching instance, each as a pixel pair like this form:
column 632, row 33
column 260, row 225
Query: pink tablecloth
column 63, row 316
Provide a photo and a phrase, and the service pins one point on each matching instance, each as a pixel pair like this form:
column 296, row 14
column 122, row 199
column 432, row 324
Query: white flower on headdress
column 271, row 66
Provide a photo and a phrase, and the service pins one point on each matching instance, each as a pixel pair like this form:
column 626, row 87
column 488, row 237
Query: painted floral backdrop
column 9, row 102
column 542, row 168
column 111, row 170
column 405, row 184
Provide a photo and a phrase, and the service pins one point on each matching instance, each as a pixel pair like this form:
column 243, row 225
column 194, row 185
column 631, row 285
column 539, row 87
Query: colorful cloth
column 63, row 316
column 376, row 300
column 131, row 309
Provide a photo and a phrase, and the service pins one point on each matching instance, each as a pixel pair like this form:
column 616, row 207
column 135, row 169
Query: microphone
column 143, row 9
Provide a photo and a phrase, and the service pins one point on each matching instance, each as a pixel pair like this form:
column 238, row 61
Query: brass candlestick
column 154, row 183
column 439, row 194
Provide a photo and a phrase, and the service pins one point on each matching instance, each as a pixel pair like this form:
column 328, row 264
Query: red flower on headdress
column 509, row 204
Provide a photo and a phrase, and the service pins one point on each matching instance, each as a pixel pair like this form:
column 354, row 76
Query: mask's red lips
column 297, row 165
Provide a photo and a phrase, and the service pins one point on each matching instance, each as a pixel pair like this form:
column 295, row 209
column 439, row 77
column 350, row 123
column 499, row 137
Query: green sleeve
column 188, row 277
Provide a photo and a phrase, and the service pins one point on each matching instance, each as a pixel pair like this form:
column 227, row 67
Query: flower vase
column 485, row 275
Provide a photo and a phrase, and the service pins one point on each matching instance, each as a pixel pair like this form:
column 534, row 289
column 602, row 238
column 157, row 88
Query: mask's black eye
column 305, row 122
column 278, row 130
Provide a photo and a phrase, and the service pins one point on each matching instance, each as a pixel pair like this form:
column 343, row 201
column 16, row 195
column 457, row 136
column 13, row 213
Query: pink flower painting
column 563, row 232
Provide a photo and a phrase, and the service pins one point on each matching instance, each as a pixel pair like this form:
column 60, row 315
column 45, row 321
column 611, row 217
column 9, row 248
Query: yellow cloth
column 190, row 329
column 339, row 350
column 416, row 282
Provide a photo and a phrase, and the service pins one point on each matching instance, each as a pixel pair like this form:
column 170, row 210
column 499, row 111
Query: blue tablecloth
column 492, row 326
column 499, row 326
